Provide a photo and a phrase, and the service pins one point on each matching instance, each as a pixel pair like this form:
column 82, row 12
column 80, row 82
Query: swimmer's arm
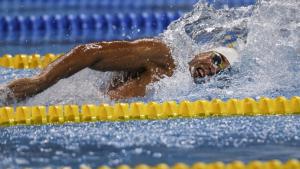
column 107, row 56
column 65, row 66
column 103, row 56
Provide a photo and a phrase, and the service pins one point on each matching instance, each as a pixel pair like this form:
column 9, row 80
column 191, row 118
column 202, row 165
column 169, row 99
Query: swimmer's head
column 212, row 62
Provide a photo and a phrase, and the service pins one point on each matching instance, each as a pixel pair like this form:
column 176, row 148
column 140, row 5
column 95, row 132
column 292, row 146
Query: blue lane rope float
column 49, row 28
column 24, row 61
column 53, row 28
column 130, row 4
column 59, row 114
column 117, row 4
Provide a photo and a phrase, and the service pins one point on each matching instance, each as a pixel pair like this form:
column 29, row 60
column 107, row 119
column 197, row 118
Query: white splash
column 268, row 43
column 84, row 87
column 4, row 93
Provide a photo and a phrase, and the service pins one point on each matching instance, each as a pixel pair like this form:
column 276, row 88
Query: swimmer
column 139, row 62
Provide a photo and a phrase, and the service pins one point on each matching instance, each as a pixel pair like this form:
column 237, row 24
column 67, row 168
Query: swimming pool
column 159, row 141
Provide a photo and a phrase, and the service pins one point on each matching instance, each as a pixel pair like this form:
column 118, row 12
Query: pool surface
column 266, row 34
column 152, row 142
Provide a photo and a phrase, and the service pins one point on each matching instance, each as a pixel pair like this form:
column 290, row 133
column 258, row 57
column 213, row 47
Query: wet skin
column 139, row 62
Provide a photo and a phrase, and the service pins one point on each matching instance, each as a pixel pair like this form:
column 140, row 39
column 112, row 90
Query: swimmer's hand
column 22, row 88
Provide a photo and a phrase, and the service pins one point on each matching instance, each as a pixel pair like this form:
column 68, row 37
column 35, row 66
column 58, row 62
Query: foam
column 268, row 44
column 4, row 93
column 85, row 86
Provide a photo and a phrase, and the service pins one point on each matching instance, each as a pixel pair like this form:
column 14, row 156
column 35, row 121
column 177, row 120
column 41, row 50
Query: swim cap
column 231, row 54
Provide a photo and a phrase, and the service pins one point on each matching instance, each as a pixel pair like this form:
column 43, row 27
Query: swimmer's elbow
column 77, row 53
column 86, row 49
column 79, row 48
column 88, row 53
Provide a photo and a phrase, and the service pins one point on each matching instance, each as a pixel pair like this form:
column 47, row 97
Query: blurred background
column 43, row 26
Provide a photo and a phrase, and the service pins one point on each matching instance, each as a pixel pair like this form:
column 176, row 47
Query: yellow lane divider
column 273, row 164
column 34, row 61
column 22, row 61
column 10, row 116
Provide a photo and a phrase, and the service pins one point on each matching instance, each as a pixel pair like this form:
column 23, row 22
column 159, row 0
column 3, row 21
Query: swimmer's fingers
column 22, row 88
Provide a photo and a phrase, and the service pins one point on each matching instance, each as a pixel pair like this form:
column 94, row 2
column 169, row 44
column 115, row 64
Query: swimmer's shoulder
column 149, row 41
column 152, row 45
column 145, row 43
column 156, row 51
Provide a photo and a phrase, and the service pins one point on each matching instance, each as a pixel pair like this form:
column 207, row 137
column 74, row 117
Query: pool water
column 270, row 66
column 152, row 142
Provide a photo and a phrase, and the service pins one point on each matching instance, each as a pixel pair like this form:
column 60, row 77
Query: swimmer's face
column 207, row 64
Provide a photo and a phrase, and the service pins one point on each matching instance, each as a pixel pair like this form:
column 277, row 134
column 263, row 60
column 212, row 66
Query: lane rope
column 272, row 164
column 47, row 5
column 59, row 114
column 23, row 61
column 83, row 27
column 86, row 27
column 65, row 4
column 34, row 61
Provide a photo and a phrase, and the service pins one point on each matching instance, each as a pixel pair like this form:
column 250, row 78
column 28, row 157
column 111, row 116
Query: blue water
column 152, row 142
column 270, row 66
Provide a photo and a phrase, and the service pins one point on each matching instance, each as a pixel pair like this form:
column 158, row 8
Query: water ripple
column 151, row 142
